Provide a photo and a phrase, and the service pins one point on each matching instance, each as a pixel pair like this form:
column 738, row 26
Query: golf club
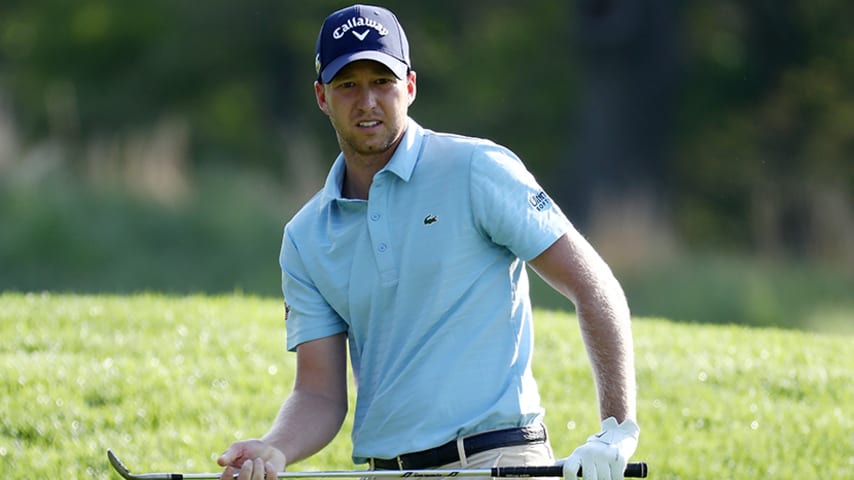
column 636, row 470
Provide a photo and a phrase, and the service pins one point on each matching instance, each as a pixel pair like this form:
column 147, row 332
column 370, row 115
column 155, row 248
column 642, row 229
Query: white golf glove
column 605, row 455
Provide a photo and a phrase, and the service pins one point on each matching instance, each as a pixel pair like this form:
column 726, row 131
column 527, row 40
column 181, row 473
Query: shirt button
column 375, row 216
column 382, row 247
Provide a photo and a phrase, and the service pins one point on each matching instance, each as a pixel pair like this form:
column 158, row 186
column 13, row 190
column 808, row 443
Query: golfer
column 413, row 255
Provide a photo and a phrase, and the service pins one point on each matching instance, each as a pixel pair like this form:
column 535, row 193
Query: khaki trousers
column 522, row 455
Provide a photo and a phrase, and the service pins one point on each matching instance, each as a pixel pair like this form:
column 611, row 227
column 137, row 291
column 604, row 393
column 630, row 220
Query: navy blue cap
column 361, row 32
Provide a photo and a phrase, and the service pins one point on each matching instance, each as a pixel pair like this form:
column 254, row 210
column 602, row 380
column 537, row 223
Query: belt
column 448, row 453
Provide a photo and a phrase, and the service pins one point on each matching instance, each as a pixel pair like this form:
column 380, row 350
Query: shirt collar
column 402, row 163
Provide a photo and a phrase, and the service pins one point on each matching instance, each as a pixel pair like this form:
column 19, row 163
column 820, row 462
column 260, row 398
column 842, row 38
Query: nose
column 367, row 99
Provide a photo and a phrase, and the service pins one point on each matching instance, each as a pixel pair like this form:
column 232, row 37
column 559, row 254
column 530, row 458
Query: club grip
column 633, row 470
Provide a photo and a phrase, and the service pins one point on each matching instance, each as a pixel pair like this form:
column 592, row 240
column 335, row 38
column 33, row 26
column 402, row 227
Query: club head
column 118, row 466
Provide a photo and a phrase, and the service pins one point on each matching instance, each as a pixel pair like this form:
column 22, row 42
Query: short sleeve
column 308, row 315
column 510, row 206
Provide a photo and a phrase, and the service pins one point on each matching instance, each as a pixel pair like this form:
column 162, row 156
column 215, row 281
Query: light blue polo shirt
column 428, row 279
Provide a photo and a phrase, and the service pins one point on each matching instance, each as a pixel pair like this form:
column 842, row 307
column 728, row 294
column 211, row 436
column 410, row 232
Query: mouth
column 368, row 123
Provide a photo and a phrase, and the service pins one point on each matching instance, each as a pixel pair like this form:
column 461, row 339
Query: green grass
column 169, row 382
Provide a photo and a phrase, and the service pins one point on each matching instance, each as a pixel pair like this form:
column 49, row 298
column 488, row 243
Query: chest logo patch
column 430, row 219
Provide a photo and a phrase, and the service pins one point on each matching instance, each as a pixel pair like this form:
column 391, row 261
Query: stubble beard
column 366, row 147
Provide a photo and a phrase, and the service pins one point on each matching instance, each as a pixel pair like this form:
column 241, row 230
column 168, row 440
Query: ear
column 320, row 93
column 411, row 86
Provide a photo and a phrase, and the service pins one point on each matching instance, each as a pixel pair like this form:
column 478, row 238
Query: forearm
column 606, row 328
column 605, row 323
column 305, row 424
column 572, row 267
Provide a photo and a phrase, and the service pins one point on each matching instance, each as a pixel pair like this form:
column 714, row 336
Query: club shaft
column 637, row 470
column 634, row 470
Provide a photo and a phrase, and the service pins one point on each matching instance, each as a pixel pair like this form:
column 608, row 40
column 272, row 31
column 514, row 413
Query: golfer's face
column 367, row 106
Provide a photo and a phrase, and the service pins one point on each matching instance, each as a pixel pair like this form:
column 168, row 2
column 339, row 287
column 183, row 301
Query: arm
column 317, row 406
column 572, row 267
column 309, row 418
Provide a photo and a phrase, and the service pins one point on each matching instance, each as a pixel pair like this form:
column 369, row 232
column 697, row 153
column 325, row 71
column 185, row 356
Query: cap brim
column 397, row 67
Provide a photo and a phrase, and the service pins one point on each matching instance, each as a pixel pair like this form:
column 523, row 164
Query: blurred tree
column 107, row 67
column 621, row 136
column 494, row 69
column 759, row 153
column 764, row 135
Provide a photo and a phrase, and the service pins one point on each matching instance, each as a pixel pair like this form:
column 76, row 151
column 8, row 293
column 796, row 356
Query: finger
column 226, row 458
column 246, row 470
column 586, row 470
column 589, row 470
column 270, row 472
column 617, row 470
column 232, row 456
column 258, row 469
column 570, row 467
column 228, row 473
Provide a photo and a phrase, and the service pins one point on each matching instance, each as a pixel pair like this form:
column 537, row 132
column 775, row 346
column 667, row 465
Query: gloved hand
column 605, row 455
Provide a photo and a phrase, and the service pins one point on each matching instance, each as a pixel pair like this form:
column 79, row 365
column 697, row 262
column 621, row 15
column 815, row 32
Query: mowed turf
column 169, row 382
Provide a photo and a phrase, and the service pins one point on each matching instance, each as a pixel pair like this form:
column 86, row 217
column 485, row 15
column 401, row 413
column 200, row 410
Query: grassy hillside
column 169, row 382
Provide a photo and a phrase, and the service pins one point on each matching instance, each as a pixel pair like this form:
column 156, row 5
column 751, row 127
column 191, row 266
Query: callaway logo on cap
column 361, row 32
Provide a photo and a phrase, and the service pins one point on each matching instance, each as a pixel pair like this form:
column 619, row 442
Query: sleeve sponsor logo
column 540, row 201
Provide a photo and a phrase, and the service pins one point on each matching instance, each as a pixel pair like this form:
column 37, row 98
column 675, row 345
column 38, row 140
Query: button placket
column 379, row 230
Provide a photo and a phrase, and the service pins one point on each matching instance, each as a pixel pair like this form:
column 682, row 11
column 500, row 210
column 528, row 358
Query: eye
column 386, row 82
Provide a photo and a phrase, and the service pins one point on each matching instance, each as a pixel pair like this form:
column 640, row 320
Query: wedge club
column 635, row 470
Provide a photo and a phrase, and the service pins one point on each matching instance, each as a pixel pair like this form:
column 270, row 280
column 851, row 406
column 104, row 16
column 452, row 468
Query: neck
column 360, row 169
column 357, row 183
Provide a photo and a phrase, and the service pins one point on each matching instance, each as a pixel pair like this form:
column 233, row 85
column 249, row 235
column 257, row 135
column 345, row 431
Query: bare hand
column 253, row 459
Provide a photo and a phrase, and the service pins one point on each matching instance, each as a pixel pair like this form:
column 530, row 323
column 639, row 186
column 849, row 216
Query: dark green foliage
column 749, row 152
column 759, row 93
column 63, row 237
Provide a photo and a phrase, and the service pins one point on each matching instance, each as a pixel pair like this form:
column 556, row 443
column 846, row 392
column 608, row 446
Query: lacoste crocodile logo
column 430, row 219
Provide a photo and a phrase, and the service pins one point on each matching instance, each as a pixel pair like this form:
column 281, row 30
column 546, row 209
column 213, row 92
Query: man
column 414, row 254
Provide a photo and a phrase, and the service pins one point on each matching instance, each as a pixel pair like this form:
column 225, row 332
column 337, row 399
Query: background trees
column 707, row 126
